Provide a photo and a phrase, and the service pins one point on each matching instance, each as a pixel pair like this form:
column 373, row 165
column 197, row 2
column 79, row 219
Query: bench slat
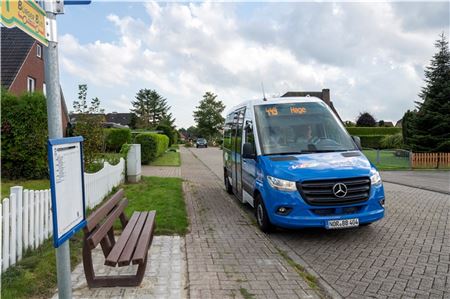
column 125, row 257
column 145, row 239
column 102, row 231
column 116, row 251
column 102, row 211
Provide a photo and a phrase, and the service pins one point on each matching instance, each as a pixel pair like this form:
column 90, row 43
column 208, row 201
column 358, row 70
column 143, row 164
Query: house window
column 31, row 84
column 39, row 51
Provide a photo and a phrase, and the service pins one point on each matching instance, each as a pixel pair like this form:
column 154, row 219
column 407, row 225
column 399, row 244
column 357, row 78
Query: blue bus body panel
column 317, row 166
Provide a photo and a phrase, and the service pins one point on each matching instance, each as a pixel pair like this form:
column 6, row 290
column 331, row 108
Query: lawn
column 164, row 195
column 169, row 158
column 35, row 275
column 388, row 161
column 31, row 184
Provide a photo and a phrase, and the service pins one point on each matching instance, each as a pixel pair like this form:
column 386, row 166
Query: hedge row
column 372, row 141
column 115, row 138
column 23, row 136
column 365, row 131
column 152, row 146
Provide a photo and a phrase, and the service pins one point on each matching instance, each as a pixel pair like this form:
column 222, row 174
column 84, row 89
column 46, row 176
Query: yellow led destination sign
column 26, row 15
column 285, row 110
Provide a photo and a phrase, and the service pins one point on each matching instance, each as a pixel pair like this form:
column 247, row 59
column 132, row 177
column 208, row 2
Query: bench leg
column 94, row 281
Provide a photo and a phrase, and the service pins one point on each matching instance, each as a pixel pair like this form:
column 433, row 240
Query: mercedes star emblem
column 340, row 190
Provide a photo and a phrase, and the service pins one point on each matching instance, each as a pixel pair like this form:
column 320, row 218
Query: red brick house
column 22, row 66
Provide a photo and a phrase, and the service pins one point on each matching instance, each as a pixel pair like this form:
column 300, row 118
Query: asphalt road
column 405, row 255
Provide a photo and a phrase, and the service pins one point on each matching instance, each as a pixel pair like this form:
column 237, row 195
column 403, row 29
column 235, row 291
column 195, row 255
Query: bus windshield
column 296, row 128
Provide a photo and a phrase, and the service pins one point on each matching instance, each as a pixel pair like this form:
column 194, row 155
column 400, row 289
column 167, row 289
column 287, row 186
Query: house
column 399, row 123
column 324, row 95
column 111, row 120
column 22, row 66
column 388, row 124
column 124, row 119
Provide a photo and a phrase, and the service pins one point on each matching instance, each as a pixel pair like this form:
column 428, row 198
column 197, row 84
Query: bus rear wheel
column 228, row 186
column 262, row 219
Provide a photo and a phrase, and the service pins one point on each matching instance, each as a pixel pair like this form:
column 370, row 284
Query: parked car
column 201, row 142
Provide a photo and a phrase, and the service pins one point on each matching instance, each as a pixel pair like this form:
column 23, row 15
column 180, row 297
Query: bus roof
column 275, row 101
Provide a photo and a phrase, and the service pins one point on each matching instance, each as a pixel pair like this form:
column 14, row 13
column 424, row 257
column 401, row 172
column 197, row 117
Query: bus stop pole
column 53, row 95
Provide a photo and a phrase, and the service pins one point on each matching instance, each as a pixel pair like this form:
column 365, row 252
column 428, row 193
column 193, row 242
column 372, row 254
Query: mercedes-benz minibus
column 294, row 162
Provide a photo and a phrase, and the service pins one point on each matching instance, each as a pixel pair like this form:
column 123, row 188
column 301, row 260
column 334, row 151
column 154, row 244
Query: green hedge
column 365, row 131
column 152, row 146
column 24, row 136
column 115, row 138
column 372, row 141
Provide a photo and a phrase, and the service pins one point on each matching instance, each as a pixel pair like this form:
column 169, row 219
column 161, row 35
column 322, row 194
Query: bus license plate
column 333, row 224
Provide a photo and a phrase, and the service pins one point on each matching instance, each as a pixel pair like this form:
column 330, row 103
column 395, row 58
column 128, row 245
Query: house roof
column 15, row 45
column 123, row 119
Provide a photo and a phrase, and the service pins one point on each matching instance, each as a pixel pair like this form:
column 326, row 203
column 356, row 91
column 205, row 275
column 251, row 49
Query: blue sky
column 371, row 55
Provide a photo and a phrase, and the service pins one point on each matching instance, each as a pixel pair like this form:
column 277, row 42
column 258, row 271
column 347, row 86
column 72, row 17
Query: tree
column 407, row 126
column 365, row 119
column 151, row 109
column 431, row 124
column 349, row 124
column 89, row 124
column 209, row 115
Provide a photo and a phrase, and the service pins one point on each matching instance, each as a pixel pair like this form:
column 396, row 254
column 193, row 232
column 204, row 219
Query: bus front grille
column 321, row 193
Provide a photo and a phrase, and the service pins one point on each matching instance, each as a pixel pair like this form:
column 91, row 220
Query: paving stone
column 159, row 281
column 222, row 233
column 407, row 254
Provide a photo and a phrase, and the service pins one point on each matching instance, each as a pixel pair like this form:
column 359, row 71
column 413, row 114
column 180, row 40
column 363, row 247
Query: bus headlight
column 375, row 178
column 280, row 184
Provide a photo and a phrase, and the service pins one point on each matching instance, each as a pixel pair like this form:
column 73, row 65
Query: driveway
column 407, row 254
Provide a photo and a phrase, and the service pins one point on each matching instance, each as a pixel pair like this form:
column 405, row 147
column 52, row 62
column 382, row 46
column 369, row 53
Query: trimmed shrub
column 392, row 141
column 169, row 132
column 24, row 136
column 371, row 141
column 152, row 146
column 115, row 138
column 364, row 131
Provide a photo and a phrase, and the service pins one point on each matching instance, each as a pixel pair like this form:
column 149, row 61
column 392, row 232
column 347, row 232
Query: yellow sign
column 26, row 15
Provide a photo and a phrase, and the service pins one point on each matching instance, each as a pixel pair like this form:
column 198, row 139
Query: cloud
column 371, row 56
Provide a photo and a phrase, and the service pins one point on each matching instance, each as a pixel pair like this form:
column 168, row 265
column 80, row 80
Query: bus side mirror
column 357, row 140
column 248, row 152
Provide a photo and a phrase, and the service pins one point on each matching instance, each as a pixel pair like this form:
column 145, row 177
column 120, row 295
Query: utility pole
column 53, row 94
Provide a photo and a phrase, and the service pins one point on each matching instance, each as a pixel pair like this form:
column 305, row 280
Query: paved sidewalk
column 161, row 171
column 432, row 180
column 228, row 257
column 165, row 275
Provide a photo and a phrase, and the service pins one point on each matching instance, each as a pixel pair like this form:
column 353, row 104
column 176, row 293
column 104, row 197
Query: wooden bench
column 130, row 247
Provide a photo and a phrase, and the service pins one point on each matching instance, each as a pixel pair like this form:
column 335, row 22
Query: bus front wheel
column 261, row 215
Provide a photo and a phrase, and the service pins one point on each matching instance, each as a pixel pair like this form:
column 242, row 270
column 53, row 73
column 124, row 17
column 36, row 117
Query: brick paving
column 430, row 180
column 165, row 275
column 227, row 256
column 161, row 171
column 405, row 255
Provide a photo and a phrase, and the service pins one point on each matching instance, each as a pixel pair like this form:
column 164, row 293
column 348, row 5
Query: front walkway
column 228, row 257
column 164, row 275
column 161, row 171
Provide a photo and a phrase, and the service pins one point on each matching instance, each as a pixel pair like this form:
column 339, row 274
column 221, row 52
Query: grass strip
column 310, row 279
column 169, row 158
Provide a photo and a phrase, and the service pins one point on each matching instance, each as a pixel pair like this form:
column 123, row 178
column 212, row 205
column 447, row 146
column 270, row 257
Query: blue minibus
column 295, row 163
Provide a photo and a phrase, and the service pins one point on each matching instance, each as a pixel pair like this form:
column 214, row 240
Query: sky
column 371, row 56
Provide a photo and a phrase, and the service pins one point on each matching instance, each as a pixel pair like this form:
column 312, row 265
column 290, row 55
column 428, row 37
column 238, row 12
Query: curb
column 324, row 286
column 418, row 187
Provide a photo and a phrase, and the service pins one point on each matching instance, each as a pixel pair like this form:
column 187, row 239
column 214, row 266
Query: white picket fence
column 26, row 216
